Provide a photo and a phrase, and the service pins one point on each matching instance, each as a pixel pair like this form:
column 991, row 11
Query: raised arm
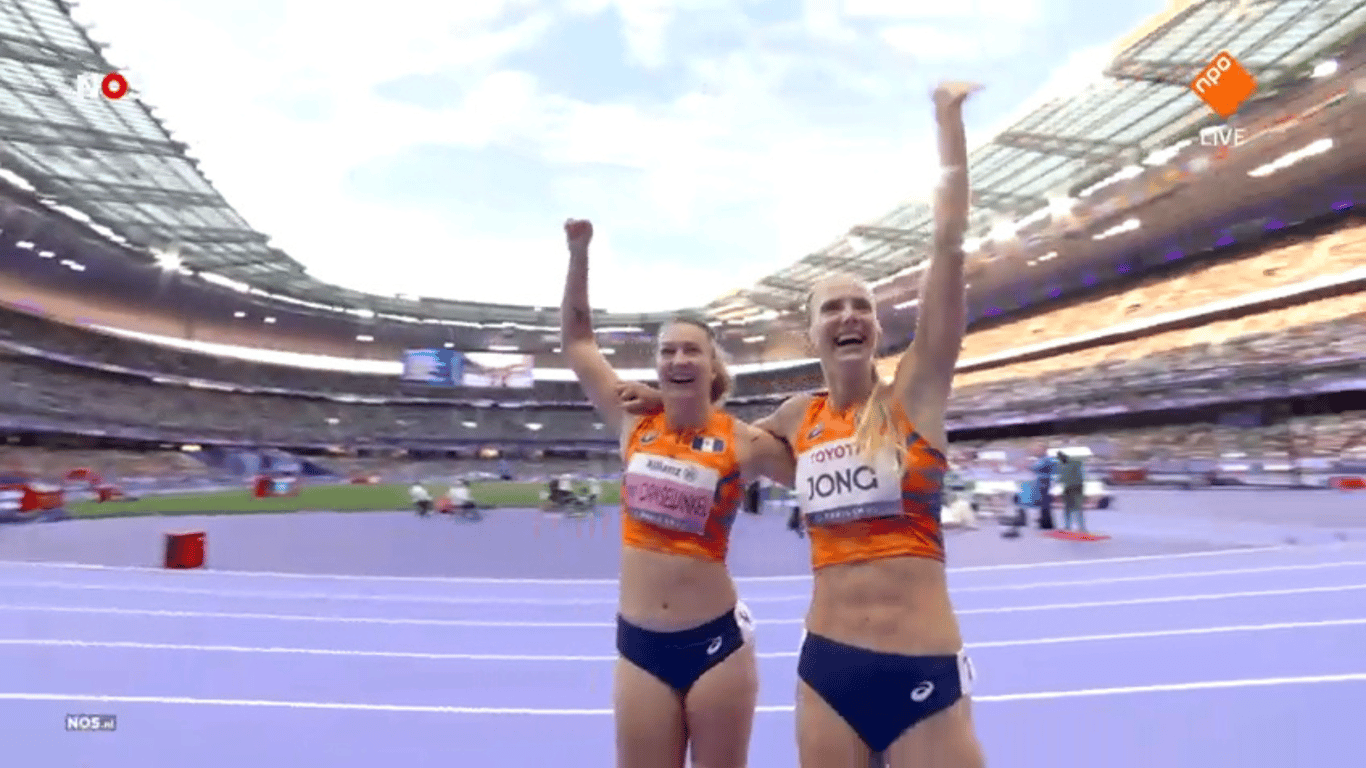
column 577, row 341
column 924, row 376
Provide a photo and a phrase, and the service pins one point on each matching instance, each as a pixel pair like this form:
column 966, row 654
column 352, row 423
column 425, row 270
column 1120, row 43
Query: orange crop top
column 681, row 490
column 858, row 510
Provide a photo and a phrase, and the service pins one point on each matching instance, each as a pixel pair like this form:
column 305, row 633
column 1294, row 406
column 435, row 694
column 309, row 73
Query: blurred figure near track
column 1043, row 488
column 1072, row 478
column 687, row 674
column 421, row 499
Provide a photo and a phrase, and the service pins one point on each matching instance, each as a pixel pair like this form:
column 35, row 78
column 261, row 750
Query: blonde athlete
column 686, row 679
column 882, row 671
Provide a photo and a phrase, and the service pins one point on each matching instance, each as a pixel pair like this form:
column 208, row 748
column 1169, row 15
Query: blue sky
column 435, row 147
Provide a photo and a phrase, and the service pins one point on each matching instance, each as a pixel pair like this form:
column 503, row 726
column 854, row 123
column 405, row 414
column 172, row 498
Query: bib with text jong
column 836, row 485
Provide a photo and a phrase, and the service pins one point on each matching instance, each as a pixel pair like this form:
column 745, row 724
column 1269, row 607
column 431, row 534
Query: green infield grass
column 339, row 498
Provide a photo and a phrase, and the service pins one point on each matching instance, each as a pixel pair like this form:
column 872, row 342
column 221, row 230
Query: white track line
column 23, row 585
column 350, row 653
column 88, row 698
column 741, row 579
column 164, row 613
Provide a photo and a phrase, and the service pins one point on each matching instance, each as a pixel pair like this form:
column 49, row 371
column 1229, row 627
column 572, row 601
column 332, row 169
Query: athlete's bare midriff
column 669, row 593
column 898, row 605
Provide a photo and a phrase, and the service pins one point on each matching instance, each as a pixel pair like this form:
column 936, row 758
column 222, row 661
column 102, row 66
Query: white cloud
column 744, row 139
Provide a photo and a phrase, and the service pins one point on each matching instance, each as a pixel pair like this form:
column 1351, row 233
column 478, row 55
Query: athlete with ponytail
column 686, row 676
column 882, row 671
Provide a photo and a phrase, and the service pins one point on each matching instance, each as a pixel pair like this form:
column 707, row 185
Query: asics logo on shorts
column 714, row 647
column 922, row 691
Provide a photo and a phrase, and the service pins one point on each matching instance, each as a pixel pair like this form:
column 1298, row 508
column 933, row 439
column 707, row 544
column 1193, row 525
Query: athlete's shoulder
column 787, row 416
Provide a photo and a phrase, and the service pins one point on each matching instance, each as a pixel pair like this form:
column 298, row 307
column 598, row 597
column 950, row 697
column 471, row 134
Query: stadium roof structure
column 114, row 166
column 1142, row 104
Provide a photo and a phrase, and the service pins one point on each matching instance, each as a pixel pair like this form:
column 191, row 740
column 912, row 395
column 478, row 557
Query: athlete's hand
column 952, row 93
column 639, row 399
column 578, row 233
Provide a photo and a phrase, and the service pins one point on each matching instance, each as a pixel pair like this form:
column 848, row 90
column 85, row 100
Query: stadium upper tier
column 1316, row 348
column 1289, row 261
column 101, row 183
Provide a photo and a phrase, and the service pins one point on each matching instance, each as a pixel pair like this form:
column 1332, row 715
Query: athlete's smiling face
column 685, row 359
column 844, row 325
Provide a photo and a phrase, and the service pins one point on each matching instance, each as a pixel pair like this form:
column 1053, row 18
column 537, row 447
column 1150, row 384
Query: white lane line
column 268, row 594
column 91, row 698
column 569, row 582
column 352, row 653
column 164, row 613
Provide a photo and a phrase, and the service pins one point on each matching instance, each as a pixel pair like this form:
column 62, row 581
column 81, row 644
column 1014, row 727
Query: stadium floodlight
column 239, row 314
column 1326, row 69
column 168, row 259
column 365, row 338
column 1002, row 231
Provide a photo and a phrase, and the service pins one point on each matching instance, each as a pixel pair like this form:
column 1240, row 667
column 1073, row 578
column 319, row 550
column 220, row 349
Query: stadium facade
column 109, row 226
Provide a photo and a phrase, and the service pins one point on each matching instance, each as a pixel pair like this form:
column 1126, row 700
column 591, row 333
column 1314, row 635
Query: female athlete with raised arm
column 686, row 679
column 882, row 672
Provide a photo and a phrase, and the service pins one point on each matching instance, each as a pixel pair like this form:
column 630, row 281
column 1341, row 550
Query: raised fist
column 578, row 232
column 952, row 92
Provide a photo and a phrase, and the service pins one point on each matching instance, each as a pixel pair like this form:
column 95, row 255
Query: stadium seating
column 1218, row 360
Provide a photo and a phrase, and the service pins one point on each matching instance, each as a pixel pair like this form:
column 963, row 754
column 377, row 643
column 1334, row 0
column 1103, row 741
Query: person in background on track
column 1073, row 480
column 458, row 495
column 1043, row 488
column 686, row 680
column 882, row 672
column 422, row 500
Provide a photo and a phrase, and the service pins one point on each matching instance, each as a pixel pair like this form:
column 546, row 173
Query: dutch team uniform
column 680, row 495
column 859, row 510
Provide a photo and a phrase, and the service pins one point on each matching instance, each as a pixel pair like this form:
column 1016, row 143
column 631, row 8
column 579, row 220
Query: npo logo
column 1224, row 85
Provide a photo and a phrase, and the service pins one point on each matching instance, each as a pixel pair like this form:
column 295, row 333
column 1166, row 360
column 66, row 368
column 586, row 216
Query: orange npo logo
column 1224, row 84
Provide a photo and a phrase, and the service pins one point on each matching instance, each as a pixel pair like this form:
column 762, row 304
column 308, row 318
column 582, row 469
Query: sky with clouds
column 436, row 146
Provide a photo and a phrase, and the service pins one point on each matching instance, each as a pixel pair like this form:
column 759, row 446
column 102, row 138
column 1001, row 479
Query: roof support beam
column 96, row 191
column 769, row 301
column 31, row 51
column 892, row 235
column 863, row 269
column 783, row 284
column 1177, row 73
column 1007, row 202
column 1065, row 146
column 18, row 130
column 201, row 235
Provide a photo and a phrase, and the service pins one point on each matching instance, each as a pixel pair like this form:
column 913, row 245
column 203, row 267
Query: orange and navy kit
column 680, row 491
column 866, row 508
column 679, row 495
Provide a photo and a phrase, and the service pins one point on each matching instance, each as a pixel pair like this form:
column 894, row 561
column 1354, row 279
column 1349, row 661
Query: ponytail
column 721, row 380
column 874, row 429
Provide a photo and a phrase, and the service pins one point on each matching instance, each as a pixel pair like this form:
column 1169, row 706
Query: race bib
column 836, row 486
column 669, row 493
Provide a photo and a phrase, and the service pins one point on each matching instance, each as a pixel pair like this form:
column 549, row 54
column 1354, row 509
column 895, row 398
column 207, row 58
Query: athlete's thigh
column 946, row 739
column 649, row 720
column 824, row 739
column 720, row 711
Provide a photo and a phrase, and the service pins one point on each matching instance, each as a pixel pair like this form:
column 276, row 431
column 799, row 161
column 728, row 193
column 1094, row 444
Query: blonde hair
column 874, row 427
column 721, row 380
